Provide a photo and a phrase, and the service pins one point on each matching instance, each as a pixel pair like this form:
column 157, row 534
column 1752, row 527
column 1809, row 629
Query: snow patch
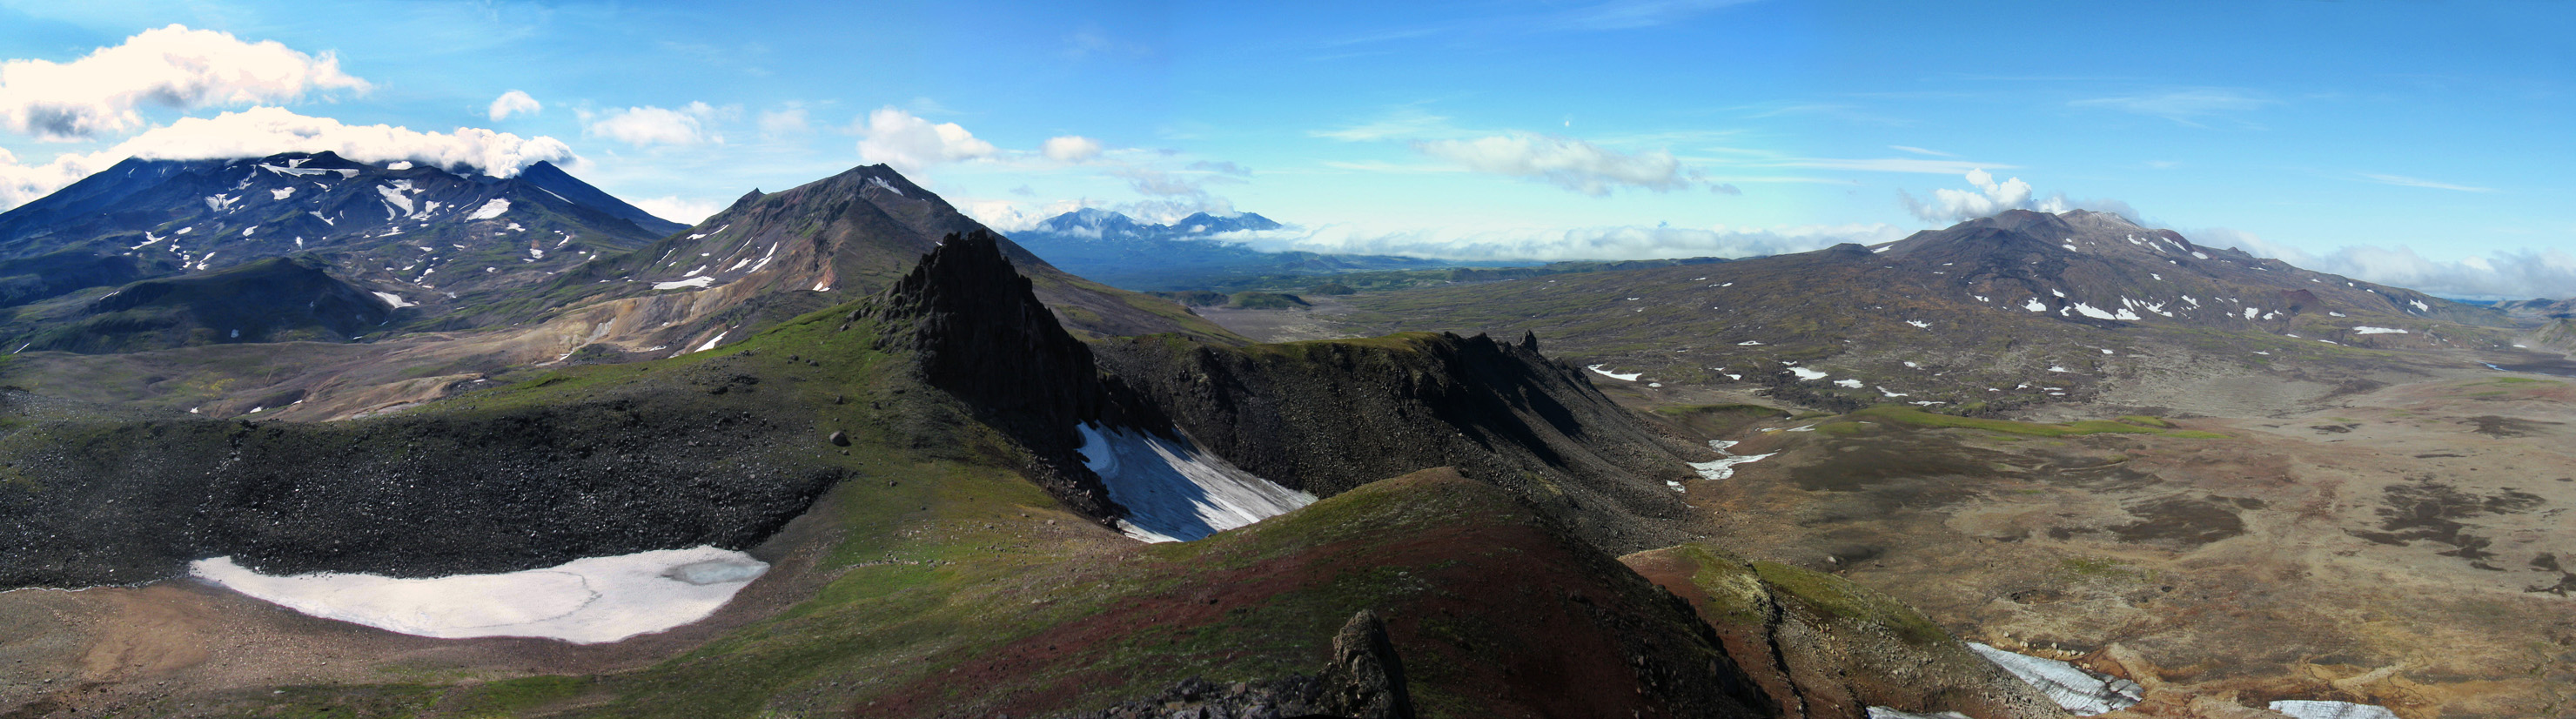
column 1807, row 374
column 1920, row 324
column 2366, row 330
column 394, row 196
column 2419, row 305
column 490, row 210
column 281, row 193
column 1848, row 383
column 2312, row 709
column 1724, row 466
column 394, row 299
column 696, row 282
column 2036, row 305
column 1173, row 490
column 2077, row 690
column 585, row 601
column 1629, row 377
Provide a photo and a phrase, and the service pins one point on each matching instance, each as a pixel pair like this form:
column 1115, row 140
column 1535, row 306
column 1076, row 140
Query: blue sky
column 2418, row 143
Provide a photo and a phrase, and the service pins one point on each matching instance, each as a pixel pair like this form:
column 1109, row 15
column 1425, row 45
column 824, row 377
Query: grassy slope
column 943, row 581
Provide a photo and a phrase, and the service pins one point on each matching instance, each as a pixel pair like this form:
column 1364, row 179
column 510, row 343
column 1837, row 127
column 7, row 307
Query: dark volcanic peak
column 2099, row 267
column 974, row 327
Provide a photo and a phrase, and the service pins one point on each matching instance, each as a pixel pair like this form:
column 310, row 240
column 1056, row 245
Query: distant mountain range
column 1193, row 253
column 2017, row 309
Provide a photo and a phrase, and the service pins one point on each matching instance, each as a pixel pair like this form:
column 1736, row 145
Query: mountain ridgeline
column 2018, row 309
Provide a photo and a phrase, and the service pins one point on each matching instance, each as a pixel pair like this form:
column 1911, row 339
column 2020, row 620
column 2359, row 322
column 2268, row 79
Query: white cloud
column 514, row 102
column 677, row 209
column 648, row 125
column 1919, row 151
column 791, row 121
column 2404, row 181
column 1402, row 123
column 2519, row 274
column 1585, row 243
column 262, row 131
column 910, row 144
column 1071, row 148
column 1562, row 161
column 171, row 67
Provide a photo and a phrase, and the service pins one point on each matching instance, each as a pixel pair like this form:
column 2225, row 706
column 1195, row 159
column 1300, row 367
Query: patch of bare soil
column 2414, row 556
column 1321, row 321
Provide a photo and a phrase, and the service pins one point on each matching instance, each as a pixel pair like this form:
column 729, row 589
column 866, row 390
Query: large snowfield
column 585, row 601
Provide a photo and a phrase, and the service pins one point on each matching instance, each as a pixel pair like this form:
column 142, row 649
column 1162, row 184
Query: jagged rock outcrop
column 1364, row 680
column 1825, row 648
column 975, row 328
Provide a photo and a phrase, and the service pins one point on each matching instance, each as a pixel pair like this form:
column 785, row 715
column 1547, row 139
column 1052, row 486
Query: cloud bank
column 261, row 131
column 2522, row 274
column 171, row 68
column 1582, row 243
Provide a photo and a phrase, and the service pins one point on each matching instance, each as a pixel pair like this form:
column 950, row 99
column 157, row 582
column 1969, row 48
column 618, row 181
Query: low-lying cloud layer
column 173, row 68
column 1582, row 243
column 2522, row 274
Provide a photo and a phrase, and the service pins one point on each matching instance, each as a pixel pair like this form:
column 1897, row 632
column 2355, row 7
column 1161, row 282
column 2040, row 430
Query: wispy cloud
column 1600, row 17
column 2187, row 106
column 1919, row 151
column 1403, row 123
column 1883, row 164
column 2404, row 181
column 689, row 124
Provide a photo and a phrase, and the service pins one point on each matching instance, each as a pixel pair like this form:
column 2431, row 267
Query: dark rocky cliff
column 1328, row 416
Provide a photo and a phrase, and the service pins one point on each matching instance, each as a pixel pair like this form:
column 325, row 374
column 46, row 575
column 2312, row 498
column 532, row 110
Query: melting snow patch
column 1919, row 323
column 490, row 209
column 2069, row 248
column 1629, row 377
column 2366, row 330
column 1748, row 343
column 2090, row 311
column 1175, row 491
column 1807, row 374
column 1888, row 713
column 2056, row 368
column 697, row 282
column 2036, row 305
column 2081, row 692
column 880, row 182
column 2311, row 709
column 281, row 193
column 2196, row 254
column 1851, row 383
column 1724, row 467
column 585, row 601
column 394, row 299
column 711, row 342
column 2419, row 305
column 1883, row 390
